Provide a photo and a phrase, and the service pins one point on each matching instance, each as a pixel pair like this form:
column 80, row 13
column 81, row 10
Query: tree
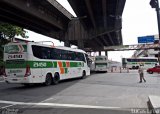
column 7, row 32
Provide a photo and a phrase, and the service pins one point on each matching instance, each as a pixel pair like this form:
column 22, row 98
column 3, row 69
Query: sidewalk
column 154, row 104
column 118, row 70
column 1, row 79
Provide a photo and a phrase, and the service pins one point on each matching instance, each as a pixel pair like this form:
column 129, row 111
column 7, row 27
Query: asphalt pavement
column 99, row 93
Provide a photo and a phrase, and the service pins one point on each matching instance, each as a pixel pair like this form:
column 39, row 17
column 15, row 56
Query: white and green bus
column 134, row 63
column 101, row 63
column 30, row 63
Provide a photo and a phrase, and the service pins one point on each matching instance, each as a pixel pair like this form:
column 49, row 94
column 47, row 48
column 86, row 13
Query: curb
column 1, row 79
column 154, row 104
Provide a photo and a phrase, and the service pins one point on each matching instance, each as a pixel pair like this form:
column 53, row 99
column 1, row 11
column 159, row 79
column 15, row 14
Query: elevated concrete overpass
column 98, row 24
column 46, row 17
column 103, row 21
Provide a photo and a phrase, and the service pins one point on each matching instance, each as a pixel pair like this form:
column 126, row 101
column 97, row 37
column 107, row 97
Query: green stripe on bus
column 40, row 64
column 55, row 64
column 16, row 65
column 32, row 64
column 148, row 63
column 142, row 63
column 66, row 70
column 64, row 64
column 76, row 64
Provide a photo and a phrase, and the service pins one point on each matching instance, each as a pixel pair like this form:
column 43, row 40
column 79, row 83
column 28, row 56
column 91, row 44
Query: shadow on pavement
column 35, row 93
column 70, row 111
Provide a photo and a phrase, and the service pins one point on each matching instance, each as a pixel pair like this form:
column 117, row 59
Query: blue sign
column 146, row 39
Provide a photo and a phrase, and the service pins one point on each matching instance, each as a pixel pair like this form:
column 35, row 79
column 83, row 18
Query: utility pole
column 155, row 4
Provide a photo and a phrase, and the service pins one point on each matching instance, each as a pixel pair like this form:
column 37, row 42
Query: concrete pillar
column 80, row 44
column 67, row 43
column 89, row 53
column 106, row 53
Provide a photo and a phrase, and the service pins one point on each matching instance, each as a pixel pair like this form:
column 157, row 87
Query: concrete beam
column 104, row 32
column 110, row 38
column 98, row 42
column 106, row 53
column 80, row 44
column 61, row 8
column 104, row 9
column 37, row 11
column 104, row 40
column 90, row 11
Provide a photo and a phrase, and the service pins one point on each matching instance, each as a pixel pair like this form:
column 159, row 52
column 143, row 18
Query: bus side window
column 76, row 56
column 45, row 54
column 64, row 54
column 58, row 54
column 81, row 57
column 70, row 55
column 52, row 54
column 36, row 53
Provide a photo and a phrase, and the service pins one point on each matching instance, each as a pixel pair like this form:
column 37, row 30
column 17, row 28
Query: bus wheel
column 83, row 75
column 133, row 67
column 56, row 79
column 48, row 80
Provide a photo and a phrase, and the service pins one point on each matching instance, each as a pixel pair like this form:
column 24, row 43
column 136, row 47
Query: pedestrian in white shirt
column 141, row 74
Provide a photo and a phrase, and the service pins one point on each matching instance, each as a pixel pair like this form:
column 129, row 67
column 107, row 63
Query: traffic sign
column 146, row 39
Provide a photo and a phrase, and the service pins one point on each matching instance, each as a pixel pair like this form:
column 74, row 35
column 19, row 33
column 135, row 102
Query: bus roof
column 70, row 49
column 50, row 46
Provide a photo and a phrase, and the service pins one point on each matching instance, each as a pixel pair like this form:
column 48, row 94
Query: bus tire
column 137, row 67
column 48, row 80
column 133, row 67
column 83, row 75
column 56, row 79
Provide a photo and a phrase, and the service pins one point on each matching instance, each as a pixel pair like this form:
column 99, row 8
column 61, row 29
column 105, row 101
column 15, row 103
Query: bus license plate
column 15, row 79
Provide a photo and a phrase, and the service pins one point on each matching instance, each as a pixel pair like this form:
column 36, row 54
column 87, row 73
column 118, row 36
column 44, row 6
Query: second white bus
column 101, row 63
column 134, row 63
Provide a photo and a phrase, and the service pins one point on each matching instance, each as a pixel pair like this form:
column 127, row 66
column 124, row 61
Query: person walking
column 141, row 74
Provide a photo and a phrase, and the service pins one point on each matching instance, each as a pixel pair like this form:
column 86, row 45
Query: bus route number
column 39, row 64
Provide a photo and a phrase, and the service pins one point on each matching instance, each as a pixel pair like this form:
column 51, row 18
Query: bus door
column 40, row 63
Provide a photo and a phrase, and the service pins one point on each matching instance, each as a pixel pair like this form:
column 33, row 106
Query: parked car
column 154, row 69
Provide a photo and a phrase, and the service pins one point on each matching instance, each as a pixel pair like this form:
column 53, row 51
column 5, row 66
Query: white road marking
column 46, row 100
column 7, row 106
column 58, row 105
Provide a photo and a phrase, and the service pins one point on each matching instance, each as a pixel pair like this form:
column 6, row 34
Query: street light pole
column 155, row 4
column 158, row 19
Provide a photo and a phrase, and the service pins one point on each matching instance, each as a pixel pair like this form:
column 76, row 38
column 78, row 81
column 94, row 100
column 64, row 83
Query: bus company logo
column 14, row 56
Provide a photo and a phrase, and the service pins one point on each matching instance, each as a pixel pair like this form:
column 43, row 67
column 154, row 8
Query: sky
column 138, row 19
